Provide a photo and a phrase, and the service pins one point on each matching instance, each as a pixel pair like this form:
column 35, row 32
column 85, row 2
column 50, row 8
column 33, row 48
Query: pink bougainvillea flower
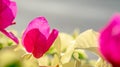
column 37, row 38
column 8, row 11
column 109, row 41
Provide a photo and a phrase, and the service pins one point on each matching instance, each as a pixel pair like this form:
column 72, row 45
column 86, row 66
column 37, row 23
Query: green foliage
column 14, row 64
column 1, row 46
column 67, row 51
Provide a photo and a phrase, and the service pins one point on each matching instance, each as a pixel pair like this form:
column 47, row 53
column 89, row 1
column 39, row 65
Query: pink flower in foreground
column 37, row 38
column 8, row 11
column 110, row 41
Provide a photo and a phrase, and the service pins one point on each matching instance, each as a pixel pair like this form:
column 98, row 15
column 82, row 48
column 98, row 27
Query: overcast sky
column 67, row 15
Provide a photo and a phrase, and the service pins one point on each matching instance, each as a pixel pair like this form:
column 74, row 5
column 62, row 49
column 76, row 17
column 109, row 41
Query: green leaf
column 77, row 63
column 29, row 61
column 75, row 33
column 1, row 46
column 88, row 40
column 69, row 64
column 57, row 45
column 14, row 64
column 80, row 54
column 56, row 60
column 8, row 58
column 102, row 63
column 66, row 40
column 44, row 61
column 68, row 54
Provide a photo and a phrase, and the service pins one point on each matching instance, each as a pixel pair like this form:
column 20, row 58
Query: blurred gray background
column 67, row 15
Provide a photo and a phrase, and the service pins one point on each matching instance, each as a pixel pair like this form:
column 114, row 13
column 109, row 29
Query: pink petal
column 7, row 14
column 4, row 3
column 51, row 38
column 39, row 44
column 30, row 39
column 10, row 35
column 13, row 8
column 35, row 37
column 110, row 40
column 41, row 24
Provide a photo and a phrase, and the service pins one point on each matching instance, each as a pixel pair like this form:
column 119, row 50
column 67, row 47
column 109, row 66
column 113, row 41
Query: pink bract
column 8, row 11
column 37, row 38
column 109, row 41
